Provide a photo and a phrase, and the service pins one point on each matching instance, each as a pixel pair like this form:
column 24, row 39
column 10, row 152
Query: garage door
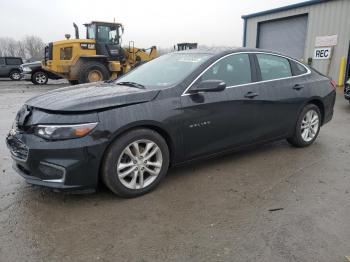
column 286, row 36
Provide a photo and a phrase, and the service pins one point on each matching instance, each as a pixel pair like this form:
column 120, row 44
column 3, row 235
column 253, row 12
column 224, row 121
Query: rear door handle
column 298, row 87
column 251, row 95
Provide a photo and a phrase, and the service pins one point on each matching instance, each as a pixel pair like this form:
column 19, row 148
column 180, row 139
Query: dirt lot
column 215, row 210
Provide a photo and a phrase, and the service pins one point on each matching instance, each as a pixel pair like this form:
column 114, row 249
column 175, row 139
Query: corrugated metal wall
column 328, row 18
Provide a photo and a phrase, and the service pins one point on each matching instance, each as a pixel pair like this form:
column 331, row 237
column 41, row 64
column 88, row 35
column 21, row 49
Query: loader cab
column 108, row 39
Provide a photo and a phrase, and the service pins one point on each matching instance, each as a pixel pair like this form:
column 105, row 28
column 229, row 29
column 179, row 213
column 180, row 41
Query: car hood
column 36, row 63
column 92, row 96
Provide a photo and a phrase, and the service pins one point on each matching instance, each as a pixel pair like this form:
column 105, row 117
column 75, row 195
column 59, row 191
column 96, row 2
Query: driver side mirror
column 209, row 86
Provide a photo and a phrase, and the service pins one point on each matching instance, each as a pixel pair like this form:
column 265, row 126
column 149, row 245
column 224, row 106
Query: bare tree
column 2, row 46
column 8, row 46
column 11, row 47
column 21, row 49
column 34, row 47
column 31, row 47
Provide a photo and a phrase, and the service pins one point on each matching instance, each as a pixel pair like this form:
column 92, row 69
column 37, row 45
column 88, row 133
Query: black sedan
column 176, row 108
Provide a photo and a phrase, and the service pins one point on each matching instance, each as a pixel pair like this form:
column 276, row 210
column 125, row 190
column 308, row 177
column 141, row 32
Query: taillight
column 334, row 84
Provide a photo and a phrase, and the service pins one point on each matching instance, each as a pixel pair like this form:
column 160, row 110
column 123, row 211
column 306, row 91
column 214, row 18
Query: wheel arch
column 318, row 102
column 39, row 70
column 83, row 61
column 152, row 125
column 14, row 70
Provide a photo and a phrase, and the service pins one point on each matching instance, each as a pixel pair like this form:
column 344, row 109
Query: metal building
column 316, row 32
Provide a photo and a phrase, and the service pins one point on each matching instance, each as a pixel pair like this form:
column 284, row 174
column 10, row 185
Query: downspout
column 244, row 32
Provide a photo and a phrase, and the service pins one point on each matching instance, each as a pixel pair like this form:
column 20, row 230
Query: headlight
column 60, row 132
column 26, row 69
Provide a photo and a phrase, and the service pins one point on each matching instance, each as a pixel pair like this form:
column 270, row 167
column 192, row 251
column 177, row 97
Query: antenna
column 114, row 20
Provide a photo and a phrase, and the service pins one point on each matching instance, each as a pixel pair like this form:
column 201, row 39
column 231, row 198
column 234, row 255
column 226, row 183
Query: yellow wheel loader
column 98, row 57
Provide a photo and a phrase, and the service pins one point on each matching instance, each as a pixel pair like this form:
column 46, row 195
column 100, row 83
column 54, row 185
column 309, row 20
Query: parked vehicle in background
column 34, row 72
column 347, row 90
column 10, row 67
column 176, row 108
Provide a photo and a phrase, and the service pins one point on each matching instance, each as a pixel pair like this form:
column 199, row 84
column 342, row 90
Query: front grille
column 17, row 148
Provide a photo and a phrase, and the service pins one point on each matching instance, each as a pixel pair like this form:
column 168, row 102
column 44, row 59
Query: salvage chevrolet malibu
column 177, row 108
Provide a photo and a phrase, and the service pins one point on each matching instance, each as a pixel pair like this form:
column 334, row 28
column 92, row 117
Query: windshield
column 166, row 70
column 107, row 34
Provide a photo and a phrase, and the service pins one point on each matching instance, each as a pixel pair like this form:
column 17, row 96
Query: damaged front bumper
column 62, row 164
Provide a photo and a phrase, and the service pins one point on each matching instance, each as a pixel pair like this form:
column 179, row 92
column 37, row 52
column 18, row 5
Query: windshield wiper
column 132, row 84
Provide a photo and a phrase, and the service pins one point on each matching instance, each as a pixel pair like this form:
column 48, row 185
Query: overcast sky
column 153, row 22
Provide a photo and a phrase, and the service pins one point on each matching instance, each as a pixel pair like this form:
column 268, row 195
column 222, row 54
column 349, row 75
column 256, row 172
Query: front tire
column 15, row 75
column 93, row 72
column 135, row 163
column 307, row 127
column 39, row 78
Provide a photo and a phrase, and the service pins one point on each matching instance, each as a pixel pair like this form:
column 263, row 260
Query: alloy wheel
column 40, row 78
column 16, row 76
column 309, row 125
column 139, row 164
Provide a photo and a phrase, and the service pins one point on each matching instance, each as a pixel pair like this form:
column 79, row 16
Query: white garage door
column 286, row 36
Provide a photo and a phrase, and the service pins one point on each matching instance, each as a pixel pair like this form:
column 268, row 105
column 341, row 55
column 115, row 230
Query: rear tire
column 15, row 75
column 307, row 127
column 93, row 72
column 135, row 163
column 39, row 78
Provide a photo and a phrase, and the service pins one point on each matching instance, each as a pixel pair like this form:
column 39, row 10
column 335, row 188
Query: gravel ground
column 217, row 210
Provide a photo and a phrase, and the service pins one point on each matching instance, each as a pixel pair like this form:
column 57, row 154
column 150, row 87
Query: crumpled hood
column 92, row 96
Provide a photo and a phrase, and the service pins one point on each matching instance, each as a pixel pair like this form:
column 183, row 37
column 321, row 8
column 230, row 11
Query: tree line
column 30, row 47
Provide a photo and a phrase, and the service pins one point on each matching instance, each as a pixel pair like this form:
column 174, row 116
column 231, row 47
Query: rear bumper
column 329, row 102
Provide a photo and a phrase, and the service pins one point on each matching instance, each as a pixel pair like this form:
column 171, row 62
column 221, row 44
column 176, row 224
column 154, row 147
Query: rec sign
column 323, row 53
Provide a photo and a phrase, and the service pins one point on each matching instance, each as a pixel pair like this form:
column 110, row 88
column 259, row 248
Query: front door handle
column 298, row 87
column 251, row 95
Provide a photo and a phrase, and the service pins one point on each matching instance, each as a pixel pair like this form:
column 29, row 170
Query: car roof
column 221, row 51
column 225, row 50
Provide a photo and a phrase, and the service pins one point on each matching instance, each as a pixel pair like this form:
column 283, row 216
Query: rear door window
column 2, row 61
column 298, row 69
column 233, row 70
column 273, row 67
column 13, row 61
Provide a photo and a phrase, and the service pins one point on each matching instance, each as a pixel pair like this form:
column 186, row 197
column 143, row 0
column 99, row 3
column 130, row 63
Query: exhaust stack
column 76, row 30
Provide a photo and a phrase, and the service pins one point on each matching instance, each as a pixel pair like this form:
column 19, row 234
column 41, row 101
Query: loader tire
column 93, row 72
